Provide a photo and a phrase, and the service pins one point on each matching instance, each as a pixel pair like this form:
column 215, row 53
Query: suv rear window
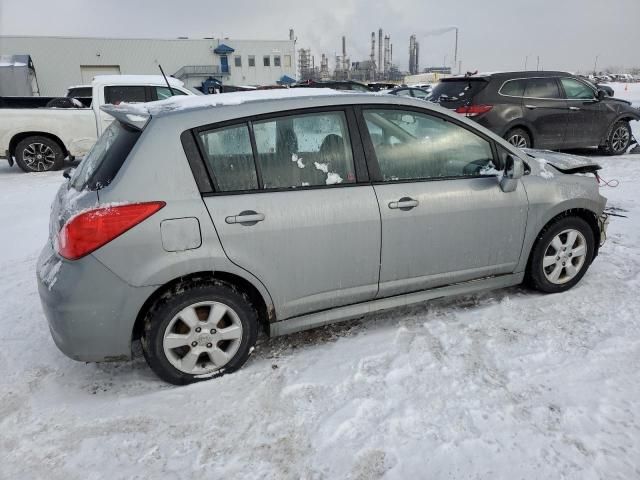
column 458, row 90
column 106, row 157
column 513, row 88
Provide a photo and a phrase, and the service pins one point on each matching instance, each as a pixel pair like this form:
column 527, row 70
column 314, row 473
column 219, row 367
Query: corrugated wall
column 57, row 60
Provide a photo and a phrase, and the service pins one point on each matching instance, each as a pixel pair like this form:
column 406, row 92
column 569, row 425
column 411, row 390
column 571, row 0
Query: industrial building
column 63, row 61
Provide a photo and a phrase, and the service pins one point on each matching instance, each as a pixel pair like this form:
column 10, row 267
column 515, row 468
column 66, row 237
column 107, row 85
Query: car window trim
column 372, row 158
column 560, row 92
column 358, row 156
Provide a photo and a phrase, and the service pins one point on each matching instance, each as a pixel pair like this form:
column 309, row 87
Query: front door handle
column 405, row 203
column 574, row 108
column 248, row 217
column 531, row 107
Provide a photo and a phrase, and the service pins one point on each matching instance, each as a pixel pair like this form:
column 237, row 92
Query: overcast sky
column 494, row 34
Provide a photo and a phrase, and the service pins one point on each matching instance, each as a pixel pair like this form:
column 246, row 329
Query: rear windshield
column 458, row 90
column 106, row 157
column 80, row 92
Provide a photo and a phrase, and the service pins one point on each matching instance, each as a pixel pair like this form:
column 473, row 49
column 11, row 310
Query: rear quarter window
column 104, row 160
column 513, row 88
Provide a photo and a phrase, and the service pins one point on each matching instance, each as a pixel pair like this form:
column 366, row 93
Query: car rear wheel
column 39, row 154
column 200, row 332
column 519, row 138
column 618, row 139
column 561, row 255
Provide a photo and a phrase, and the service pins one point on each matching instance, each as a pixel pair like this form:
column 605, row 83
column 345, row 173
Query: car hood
column 562, row 162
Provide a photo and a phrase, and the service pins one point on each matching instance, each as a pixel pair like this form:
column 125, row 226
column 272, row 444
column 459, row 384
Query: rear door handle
column 405, row 203
column 248, row 217
column 531, row 107
column 574, row 108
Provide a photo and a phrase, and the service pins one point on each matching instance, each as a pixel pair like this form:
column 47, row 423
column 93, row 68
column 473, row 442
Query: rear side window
column 513, row 88
column 117, row 94
column 458, row 90
column 164, row 92
column 304, row 150
column 104, row 160
column 542, row 88
column 229, row 155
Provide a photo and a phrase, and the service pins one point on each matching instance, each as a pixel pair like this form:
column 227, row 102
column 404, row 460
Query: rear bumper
column 90, row 311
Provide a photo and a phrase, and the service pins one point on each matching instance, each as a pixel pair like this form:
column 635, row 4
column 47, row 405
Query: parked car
column 335, row 84
column 547, row 110
column 40, row 132
column 193, row 222
column 410, row 92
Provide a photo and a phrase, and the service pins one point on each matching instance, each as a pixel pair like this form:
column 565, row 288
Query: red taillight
column 473, row 110
column 92, row 229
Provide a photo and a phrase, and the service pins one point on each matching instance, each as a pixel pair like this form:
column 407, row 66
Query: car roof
column 506, row 75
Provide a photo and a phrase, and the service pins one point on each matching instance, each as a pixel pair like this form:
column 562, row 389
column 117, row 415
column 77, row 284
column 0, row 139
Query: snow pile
column 502, row 385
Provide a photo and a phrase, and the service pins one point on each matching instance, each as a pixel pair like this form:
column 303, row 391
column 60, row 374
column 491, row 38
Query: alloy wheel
column 518, row 141
column 202, row 338
column 565, row 256
column 38, row 157
column 620, row 139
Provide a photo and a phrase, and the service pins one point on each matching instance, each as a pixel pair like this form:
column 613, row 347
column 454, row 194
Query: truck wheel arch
column 18, row 137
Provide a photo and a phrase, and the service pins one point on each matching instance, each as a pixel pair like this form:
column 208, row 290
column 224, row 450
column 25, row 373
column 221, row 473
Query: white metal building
column 63, row 61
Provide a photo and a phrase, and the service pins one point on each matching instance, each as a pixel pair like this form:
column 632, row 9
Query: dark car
column 553, row 110
column 414, row 92
column 335, row 84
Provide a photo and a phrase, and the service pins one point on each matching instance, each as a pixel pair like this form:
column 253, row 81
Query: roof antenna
column 165, row 79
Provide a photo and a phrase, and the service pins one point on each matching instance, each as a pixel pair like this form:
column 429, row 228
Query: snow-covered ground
column 503, row 385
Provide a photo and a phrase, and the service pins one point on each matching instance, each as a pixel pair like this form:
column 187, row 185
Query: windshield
column 106, row 157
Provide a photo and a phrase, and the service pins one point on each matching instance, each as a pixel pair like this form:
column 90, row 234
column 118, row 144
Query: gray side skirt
column 348, row 312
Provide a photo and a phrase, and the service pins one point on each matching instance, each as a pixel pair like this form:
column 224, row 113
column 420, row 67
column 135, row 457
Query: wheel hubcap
column 518, row 141
column 202, row 337
column 38, row 157
column 620, row 139
column 564, row 256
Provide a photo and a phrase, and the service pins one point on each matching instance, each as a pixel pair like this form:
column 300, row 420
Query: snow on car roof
column 136, row 79
column 179, row 103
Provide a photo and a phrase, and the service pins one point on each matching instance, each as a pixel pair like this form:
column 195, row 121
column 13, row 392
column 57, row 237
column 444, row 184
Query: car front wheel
column 618, row 139
column 561, row 255
column 199, row 332
column 39, row 154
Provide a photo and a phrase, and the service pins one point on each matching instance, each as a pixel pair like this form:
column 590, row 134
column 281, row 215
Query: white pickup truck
column 40, row 132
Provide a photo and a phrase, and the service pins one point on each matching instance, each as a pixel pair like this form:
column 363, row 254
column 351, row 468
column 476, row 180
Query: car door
column 546, row 110
column 444, row 217
column 587, row 121
column 293, row 207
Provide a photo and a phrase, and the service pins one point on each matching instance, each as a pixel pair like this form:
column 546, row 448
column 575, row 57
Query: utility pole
column 526, row 59
column 595, row 65
column 538, row 64
column 455, row 51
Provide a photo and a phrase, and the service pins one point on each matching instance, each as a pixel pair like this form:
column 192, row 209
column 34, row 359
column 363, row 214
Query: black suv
column 554, row 110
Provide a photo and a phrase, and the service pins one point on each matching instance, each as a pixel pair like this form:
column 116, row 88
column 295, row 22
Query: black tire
column 519, row 137
column 28, row 150
column 536, row 276
column 167, row 308
column 618, row 139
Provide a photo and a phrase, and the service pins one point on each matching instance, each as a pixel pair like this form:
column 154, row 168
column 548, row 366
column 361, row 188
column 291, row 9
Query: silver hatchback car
column 195, row 221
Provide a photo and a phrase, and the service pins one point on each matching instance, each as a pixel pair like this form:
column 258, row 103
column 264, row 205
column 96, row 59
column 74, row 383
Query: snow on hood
column 563, row 162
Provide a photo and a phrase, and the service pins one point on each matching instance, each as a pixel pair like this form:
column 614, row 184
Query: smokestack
column 380, row 65
column 412, row 54
column 291, row 35
column 391, row 54
column 386, row 54
column 344, row 53
column 417, row 58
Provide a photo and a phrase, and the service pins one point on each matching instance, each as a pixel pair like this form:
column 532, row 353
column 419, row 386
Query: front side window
column 416, row 146
column 304, row 150
column 266, row 60
column 164, row 92
column 542, row 88
column 276, row 60
column 576, row 90
column 117, row 94
column 252, row 60
column 229, row 155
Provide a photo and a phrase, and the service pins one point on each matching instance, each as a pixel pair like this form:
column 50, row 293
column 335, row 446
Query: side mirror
column 601, row 94
column 513, row 170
